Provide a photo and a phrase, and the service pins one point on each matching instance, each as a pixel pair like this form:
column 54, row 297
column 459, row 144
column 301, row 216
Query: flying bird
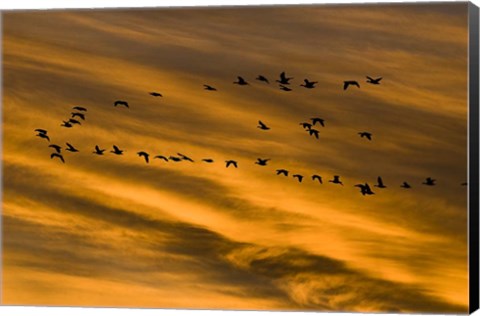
column 336, row 180
column 71, row 148
column 365, row 189
column 262, row 78
column 405, row 185
column 79, row 108
column 380, row 183
column 317, row 177
column 209, row 88
column 261, row 162
column 309, row 84
column 116, row 150
column 373, row 81
column 57, row 155
column 155, row 94
column 429, row 181
column 241, row 81
column 316, row 120
column 185, row 157
column 306, row 125
column 78, row 114
column 74, row 121
column 348, row 83
column 41, row 131
column 313, row 131
column 57, row 148
column 144, row 155
column 284, row 79
column 207, row 160
column 231, row 162
column 176, row 159
column 66, row 124
column 262, row 126
column 298, row 176
column 282, row 87
column 161, row 157
column 365, row 134
column 98, row 151
column 120, row 102
column 42, row 135
column 282, row 171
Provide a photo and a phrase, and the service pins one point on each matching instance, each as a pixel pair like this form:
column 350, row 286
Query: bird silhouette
column 348, row 83
column 41, row 131
column 318, row 120
column 309, row 84
column 282, row 171
column 98, row 151
column 144, row 155
column 120, row 102
column 57, row 155
column 74, row 121
column 207, row 160
column 298, row 176
column 365, row 189
column 282, row 87
column 405, row 185
column 306, row 125
column 262, row 126
column 209, row 88
column 66, row 124
column 57, row 148
column 313, row 131
column 155, row 94
column 336, row 180
column 79, row 108
column 283, row 79
column 365, row 134
column 78, row 114
column 185, row 157
column 116, row 150
column 261, row 162
column 176, row 159
column 42, row 135
column 317, row 177
column 231, row 162
column 262, row 78
column 241, row 81
column 429, row 181
column 71, row 148
column 161, row 157
column 380, row 183
column 373, row 81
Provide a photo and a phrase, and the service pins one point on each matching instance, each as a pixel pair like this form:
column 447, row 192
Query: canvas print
column 288, row 158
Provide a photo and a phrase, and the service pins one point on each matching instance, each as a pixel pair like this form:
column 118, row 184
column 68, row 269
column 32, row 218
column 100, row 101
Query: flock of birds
column 78, row 115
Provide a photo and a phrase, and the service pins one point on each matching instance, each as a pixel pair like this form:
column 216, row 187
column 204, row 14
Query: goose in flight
column 185, row 157
column 298, row 176
column 284, row 79
column 373, row 81
column 313, row 131
column 405, row 185
column 161, row 157
column 66, row 124
column 207, row 160
column 144, row 155
column 261, row 162
column 365, row 189
column 155, row 94
column 209, row 88
column 41, row 131
column 309, row 84
column 348, row 83
column 71, row 148
column 176, row 159
column 317, row 177
column 336, row 180
column 98, row 151
column 380, row 183
column 57, row 148
column 262, row 126
column 120, row 102
column 57, row 155
column 306, row 125
column 74, row 121
column 79, row 108
column 282, row 87
column 262, row 78
column 78, row 114
column 365, row 134
column 116, row 150
column 429, row 181
column 241, row 81
column 42, row 135
column 316, row 120
column 282, row 171
column 231, row 162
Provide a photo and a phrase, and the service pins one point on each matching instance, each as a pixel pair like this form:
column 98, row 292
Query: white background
column 48, row 4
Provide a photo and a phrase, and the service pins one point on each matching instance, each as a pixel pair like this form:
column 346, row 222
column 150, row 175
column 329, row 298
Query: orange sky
column 114, row 231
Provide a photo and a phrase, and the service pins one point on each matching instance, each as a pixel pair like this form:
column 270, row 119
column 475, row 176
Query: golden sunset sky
column 113, row 231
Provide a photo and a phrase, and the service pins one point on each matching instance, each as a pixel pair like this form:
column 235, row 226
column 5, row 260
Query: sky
column 114, row 231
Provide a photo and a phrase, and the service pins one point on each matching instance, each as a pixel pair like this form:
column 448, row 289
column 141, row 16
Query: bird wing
column 369, row 136
column 262, row 124
column 370, row 78
column 282, row 76
column 345, row 85
column 70, row 146
column 380, row 181
column 116, row 148
column 356, row 84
